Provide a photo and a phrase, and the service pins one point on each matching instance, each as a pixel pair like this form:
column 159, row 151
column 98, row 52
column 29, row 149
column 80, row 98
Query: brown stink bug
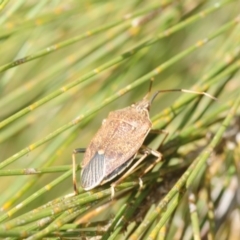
column 116, row 144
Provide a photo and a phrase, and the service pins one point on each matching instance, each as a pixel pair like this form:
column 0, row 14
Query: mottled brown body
column 115, row 144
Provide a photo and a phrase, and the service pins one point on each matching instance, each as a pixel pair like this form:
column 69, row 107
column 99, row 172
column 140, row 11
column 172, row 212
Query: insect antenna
column 181, row 90
column 149, row 89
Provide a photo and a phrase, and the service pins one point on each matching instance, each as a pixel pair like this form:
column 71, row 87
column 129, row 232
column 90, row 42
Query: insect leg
column 129, row 171
column 158, row 131
column 158, row 156
column 76, row 151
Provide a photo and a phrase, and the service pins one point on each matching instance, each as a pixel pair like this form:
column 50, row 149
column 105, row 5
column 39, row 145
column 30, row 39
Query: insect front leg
column 76, row 151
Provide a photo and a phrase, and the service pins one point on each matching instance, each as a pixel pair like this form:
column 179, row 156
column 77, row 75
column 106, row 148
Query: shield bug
column 117, row 142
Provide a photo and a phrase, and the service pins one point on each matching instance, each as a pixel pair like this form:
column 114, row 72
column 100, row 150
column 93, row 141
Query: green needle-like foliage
column 65, row 65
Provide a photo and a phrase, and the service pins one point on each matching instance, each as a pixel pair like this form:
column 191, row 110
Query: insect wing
column 93, row 173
